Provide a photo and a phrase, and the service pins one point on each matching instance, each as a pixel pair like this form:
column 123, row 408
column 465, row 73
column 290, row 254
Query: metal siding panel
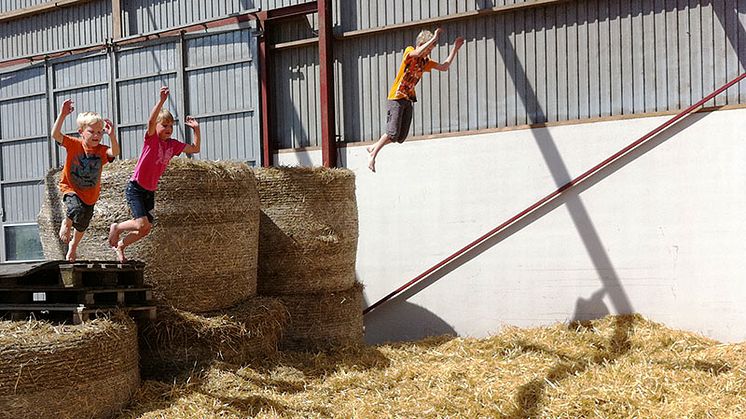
column 708, row 51
column 733, row 65
column 720, row 51
column 672, row 55
column 594, row 61
column 741, row 46
column 573, row 61
column 13, row 110
column 605, row 57
column 626, row 68
column 68, row 27
column 21, row 202
column 584, row 61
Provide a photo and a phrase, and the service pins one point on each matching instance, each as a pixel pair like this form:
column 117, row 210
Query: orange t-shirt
column 410, row 73
column 81, row 174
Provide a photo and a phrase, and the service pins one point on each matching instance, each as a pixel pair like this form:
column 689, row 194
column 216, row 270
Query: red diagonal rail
column 616, row 156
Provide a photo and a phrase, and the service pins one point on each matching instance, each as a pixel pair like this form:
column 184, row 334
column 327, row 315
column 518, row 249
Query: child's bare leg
column 375, row 149
column 72, row 248
column 137, row 228
column 66, row 230
column 113, row 235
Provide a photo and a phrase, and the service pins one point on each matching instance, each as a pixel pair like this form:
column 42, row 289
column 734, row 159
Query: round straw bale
column 324, row 321
column 88, row 370
column 201, row 254
column 178, row 341
column 308, row 230
column 50, row 218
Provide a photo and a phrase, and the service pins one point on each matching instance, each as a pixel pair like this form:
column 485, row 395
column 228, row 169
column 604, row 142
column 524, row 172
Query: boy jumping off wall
column 157, row 151
column 402, row 95
column 81, row 176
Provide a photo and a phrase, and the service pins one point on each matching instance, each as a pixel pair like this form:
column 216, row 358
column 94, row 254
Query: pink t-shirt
column 153, row 160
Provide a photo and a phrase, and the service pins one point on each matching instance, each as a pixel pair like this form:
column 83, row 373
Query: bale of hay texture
column 88, row 370
column 324, row 321
column 201, row 254
column 178, row 342
column 308, row 230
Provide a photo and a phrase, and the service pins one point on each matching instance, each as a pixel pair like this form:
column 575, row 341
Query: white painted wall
column 663, row 235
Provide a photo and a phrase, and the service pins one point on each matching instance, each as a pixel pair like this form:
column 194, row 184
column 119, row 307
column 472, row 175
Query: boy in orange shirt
column 81, row 175
column 401, row 97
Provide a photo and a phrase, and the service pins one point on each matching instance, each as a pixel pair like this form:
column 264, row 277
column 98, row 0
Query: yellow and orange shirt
column 81, row 174
column 410, row 73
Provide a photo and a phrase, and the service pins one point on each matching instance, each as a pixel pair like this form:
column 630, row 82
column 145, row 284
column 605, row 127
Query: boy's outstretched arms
column 428, row 46
column 66, row 109
column 113, row 151
column 156, row 109
column 194, row 125
column 447, row 63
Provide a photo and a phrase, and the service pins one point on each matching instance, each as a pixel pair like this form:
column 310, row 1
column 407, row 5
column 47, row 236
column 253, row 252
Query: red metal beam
column 289, row 11
column 557, row 192
column 326, row 76
column 264, row 92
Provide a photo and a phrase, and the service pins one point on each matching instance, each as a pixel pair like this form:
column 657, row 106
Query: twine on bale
column 178, row 342
column 201, row 254
column 87, row 370
column 324, row 321
column 308, row 230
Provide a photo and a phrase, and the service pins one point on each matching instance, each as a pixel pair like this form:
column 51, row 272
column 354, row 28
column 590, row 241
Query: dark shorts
column 78, row 211
column 398, row 119
column 140, row 200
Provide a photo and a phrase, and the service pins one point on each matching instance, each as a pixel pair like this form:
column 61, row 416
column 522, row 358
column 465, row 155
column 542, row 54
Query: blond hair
column 87, row 119
column 424, row 36
column 164, row 115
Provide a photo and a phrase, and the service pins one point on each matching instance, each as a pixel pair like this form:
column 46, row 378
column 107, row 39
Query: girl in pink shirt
column 157, row 151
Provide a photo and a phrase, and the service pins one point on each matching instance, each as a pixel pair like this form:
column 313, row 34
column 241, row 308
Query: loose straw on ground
column 616, row 367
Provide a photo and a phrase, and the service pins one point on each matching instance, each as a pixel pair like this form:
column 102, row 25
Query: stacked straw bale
column 178, row 342
column 89, row 370
column 201, row 254
column 308, row 234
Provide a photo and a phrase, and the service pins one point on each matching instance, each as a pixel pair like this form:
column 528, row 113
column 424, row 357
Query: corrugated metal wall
column 573, row 60
column 68, row 27
column 11, row 5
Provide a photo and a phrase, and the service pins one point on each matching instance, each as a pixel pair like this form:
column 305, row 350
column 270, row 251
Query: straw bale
column 87, row 370
column 324, row 321
column 201, row 254
column 308, row 230
column 179, row 342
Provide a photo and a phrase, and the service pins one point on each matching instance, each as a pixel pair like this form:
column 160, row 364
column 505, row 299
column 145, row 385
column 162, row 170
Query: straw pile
column 89, row 370
column 308, row 233
column 201, row 254
column 616, row 368
column 179, row 342
column 324, row 321
column 308, row 230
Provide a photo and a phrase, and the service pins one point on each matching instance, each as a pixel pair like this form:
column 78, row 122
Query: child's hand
column 459, row 42
column 164, row 93
column 437, row 33
column 108, row 127
column 192, row 123
column 67, row 107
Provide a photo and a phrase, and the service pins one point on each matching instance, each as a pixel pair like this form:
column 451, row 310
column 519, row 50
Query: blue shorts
column 140, row 200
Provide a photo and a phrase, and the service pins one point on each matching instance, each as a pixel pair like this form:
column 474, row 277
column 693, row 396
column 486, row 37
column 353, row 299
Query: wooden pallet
column 69, row 313
column 102, row 274
column 89, row 296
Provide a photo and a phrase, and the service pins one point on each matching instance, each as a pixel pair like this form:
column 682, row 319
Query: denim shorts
column 78, row 211
column 140, row 200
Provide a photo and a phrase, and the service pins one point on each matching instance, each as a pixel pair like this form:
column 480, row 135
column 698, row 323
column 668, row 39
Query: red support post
column 264, row 88
column 326, row 75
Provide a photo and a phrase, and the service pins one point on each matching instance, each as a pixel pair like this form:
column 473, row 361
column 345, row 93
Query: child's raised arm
column 66, row 109
column 113, row 151
column 156, row 109
column 194, row 125
column 447, row 63
column 428, row 46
